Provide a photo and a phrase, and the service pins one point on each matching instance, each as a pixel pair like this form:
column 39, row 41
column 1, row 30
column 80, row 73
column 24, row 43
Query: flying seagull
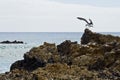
column 89, row 24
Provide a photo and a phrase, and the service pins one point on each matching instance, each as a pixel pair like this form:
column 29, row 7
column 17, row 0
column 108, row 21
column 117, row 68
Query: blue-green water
column 9, row 53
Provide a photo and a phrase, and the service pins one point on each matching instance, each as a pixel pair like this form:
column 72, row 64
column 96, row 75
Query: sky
column 59, row 15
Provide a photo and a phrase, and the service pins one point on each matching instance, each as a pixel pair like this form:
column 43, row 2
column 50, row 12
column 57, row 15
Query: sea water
column 9, row 53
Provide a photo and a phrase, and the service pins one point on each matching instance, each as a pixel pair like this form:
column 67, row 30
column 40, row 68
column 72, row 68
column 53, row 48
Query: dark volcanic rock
column 64, row 48
column 98, row 59
column 38, row 57
column 98, row 65
column 90, row 36
column 11, row 42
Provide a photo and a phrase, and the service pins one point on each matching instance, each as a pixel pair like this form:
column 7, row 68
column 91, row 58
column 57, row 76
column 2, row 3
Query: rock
column 17, row 74
column 58, row 71
column 83, row 60
column 12, row 42
column 18, row 65
column 64, row 48
column 90, row 36
column 109, row 58
column 38, row 57
column 96, row 58
column 98, row 65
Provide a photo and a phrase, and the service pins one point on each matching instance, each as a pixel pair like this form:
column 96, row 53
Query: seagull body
column 89, row 24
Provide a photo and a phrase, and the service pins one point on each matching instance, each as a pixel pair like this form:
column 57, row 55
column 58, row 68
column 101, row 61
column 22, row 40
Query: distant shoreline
column 12, row 42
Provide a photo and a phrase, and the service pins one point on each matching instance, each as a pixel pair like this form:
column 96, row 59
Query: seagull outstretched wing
column 80, row 18
column 89, row 24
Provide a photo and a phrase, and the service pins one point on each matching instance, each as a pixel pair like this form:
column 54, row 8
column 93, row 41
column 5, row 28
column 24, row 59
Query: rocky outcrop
column 90, row 36
column 98, row 59
column 38, row 57
column 12, row 42
column 64, row 48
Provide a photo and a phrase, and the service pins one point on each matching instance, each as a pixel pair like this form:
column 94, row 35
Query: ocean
column 9, row 53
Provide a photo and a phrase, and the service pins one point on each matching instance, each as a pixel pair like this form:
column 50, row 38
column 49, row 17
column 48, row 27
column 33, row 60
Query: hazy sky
column 58, row 15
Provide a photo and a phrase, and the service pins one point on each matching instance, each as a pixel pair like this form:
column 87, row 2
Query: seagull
column 89, row 24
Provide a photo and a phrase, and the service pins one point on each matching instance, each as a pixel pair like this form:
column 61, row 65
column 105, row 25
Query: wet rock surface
column 96, row 58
